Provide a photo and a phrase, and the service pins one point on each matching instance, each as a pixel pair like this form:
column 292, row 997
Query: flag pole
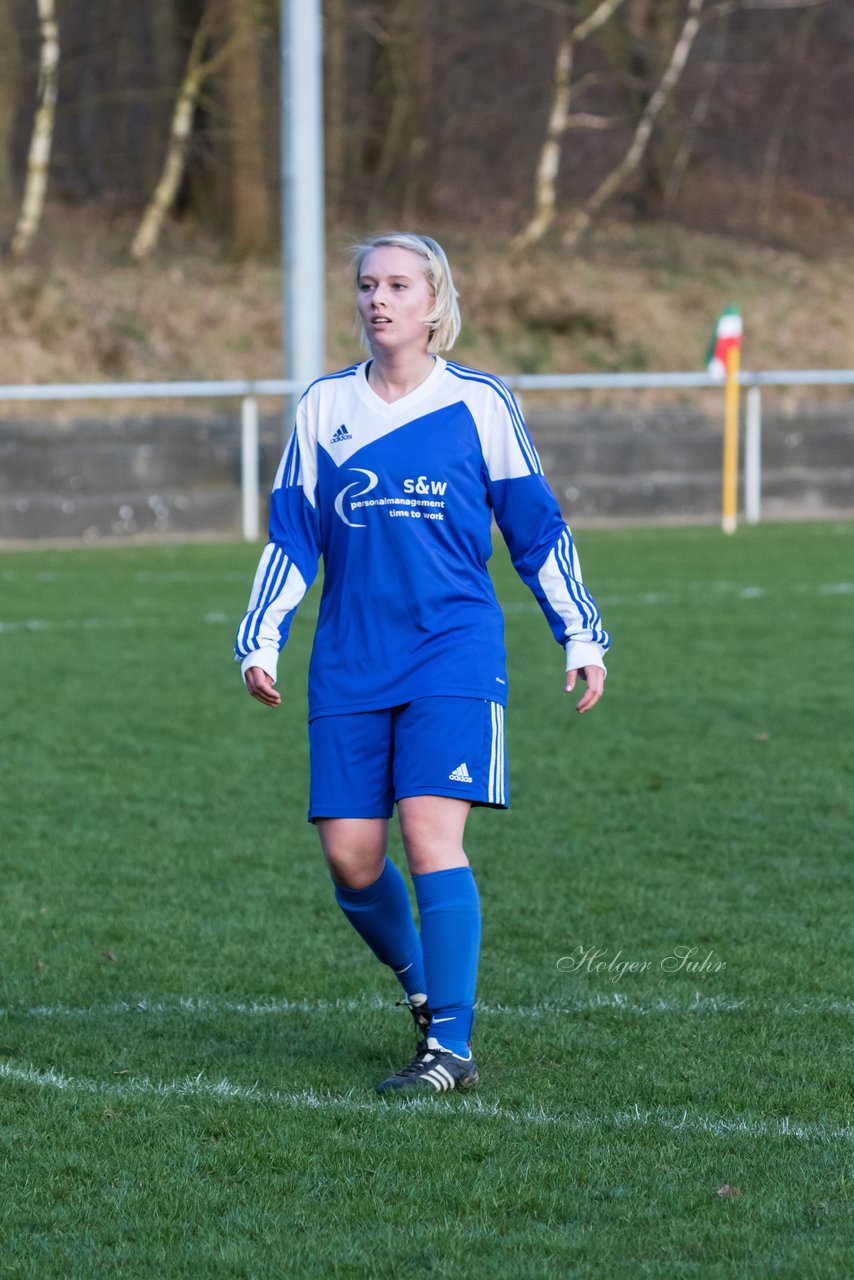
column 729, row 516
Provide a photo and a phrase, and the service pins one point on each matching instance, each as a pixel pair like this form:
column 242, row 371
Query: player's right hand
column 260, row 685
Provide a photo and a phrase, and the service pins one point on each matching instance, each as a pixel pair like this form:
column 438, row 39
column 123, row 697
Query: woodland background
column 436, row 115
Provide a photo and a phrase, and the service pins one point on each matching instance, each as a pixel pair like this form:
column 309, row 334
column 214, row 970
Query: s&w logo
column 424, row 486
column 373, row 481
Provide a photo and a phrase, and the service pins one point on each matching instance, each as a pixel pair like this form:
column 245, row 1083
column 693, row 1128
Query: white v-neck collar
column 402, row 406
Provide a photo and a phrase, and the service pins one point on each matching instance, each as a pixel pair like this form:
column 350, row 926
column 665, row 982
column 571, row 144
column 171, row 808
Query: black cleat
column 435, row 1069
column 421, row 1015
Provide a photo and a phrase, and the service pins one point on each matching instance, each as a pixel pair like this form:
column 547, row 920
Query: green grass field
column 190, row 1032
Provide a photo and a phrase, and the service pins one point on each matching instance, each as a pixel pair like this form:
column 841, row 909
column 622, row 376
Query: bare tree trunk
column 771, row 163
column 417, row 182
column 399, row 110
column 335, row 85
column 196, row 73
column 250, row 213
column 9, row 80
column 653, row 36
column 617, row 177
column 545, row 182
column 699, row 111
column 42, row 139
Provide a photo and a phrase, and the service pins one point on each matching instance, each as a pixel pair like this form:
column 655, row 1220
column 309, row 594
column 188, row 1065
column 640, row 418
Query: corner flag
column 725, row 338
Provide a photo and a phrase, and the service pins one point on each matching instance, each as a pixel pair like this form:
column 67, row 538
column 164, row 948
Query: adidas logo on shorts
column 461, row 774
column 341, row 435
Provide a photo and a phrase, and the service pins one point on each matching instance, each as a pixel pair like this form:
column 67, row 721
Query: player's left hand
column 595, row 678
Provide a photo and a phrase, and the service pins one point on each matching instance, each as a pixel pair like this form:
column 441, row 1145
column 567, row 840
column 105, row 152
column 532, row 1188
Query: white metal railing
column 249, row 390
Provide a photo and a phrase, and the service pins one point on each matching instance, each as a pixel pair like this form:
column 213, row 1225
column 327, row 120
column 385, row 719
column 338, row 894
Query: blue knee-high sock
column 381, row 913
column 449, row 907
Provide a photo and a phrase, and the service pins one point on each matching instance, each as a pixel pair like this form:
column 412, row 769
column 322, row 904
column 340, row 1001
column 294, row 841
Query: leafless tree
column 38, row 162
column 628, row 165
column 397, row 115
column 9, row 75
column 251, row 218
column 197, row 71
column 699, row 110
column 335, row 93
column 797, row 53
column 545, row 182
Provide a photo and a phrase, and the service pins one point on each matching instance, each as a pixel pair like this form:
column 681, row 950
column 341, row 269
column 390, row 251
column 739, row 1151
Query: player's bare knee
column 354, row 851
column 354, row 868
column 423, row 862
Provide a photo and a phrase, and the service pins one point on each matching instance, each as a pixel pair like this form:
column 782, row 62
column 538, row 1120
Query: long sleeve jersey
column 399, row 499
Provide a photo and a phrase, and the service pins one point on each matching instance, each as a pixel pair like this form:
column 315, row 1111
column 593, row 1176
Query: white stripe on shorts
column 496, row 756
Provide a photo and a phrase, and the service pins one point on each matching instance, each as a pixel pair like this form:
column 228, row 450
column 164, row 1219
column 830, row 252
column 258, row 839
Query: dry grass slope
column 636, row 297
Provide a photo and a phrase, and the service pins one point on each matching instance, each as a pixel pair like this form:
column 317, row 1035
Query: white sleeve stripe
column 266, row 568
column 270, row 595
column 247, row 637
column 556, row 591
column 276, row 587
column 582, row 589
column 290, row 465
column 288, row 477
column 563, row 550
column 273, row 575
column 284, row 462
column 261, row 573
column 580, row 592
column 269, row 622
column 522, row 433
column 519, row 426
column 295, row 467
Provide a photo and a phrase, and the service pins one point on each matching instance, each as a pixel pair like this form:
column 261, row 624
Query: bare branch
column 781, row 4
column 197, row 71
column 700, row 109
column 725, row 7
column 545, row 183
column 559, row 7
column 597, row 19
column 583, row 120
column 770, row 166
column 42, row 139
column 640, row 141
column 589, row 80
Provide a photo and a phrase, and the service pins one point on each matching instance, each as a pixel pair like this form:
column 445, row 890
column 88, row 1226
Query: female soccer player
column 394, row 472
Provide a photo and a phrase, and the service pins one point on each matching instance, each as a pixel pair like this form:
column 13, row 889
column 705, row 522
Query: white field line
column 657, row 1118
column 699, row 592
column 696, row 1003
column 181, row 576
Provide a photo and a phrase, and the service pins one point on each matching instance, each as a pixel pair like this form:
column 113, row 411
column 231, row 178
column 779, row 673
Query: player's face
column 394, row 297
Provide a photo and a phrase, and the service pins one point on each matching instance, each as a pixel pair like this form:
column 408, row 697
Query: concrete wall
column 178, row 476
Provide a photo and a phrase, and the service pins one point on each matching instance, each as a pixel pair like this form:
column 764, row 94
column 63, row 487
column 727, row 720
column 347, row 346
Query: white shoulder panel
column 325, row 401
column 507, row 447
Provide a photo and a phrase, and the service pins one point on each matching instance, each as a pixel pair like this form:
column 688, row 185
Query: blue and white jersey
column 399, row 499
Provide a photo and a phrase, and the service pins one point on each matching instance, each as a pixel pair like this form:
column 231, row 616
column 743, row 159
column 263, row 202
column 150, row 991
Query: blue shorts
column 361, row 764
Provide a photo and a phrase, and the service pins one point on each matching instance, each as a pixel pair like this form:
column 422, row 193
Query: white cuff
column 584, row 653
column 267, row 659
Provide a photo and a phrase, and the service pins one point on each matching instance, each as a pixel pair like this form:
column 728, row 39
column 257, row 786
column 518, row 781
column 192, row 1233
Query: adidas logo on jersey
column 341, row 435
column 461, row 774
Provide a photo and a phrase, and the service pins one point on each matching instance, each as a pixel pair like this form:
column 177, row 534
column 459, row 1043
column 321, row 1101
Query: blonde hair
column 444, row 317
